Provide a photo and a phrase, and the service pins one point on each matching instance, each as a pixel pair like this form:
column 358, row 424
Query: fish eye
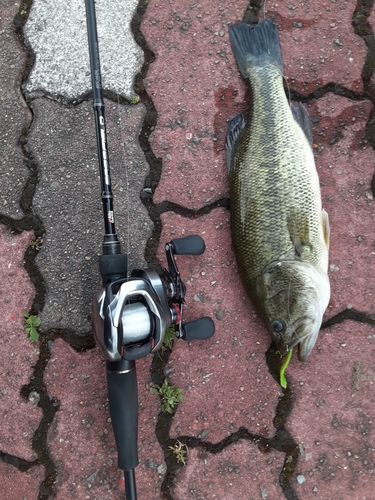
column 278, row 326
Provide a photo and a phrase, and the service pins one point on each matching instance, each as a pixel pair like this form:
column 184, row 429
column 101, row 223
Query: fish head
column 293, row 297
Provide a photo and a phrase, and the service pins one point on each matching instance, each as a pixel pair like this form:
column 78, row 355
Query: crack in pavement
column 49, row 406
column 20, row 463
column 31, row 221
column 282, row 440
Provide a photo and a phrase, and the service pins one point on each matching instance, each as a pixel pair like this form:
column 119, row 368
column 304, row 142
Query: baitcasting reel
column 131, row 315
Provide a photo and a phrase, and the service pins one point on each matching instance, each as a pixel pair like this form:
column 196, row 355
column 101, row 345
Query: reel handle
column 190, row 245
column 123, row 409
column 200, row 329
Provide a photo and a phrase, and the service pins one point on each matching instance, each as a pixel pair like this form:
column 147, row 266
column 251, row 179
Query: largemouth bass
column 280, row 231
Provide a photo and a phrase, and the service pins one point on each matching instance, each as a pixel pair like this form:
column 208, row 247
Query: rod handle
column 123, row 409
column 113, row 267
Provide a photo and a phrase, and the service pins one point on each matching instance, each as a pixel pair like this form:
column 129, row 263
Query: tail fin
column 253, row 44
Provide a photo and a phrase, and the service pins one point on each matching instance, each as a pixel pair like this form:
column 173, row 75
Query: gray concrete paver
column 67, row 199
column 15, row 116
column 56, row 32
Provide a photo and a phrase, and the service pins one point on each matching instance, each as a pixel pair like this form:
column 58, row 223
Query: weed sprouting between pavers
column 169, row 337
column 180, row 450
column 170, row 395
column 284, row 444
column 31, row 324
column 36, row 242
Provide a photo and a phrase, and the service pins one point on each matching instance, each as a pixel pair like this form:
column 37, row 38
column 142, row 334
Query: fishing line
column 127, row 191
column 264, row 9
column 288, row 88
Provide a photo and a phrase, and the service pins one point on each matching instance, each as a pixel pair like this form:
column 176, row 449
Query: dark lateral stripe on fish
column 253, row 44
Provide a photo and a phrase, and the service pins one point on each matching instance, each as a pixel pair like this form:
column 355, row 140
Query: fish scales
column 266, row 184
column 276, row 209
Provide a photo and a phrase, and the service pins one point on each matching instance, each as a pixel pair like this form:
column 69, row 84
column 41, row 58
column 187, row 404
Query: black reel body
column 131, row 315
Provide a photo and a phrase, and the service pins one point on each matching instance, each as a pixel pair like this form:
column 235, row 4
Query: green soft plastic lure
column 283, row 367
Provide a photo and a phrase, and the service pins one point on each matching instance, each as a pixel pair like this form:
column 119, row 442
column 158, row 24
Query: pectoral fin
column 326, row 227
column 298, row 227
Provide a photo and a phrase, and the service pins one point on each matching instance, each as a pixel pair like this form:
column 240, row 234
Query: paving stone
column 345, row 163
column 20, row 485
column 192, row 71
column 20, row 418
column 81, row 439
column 152, row 468
column 15, row 116
column 225, row 379
column 239, row 471
column 67, row 200
column 58, row 38
column 332, row 417
column 371, row 19
column 195, row 86
column 318, row 41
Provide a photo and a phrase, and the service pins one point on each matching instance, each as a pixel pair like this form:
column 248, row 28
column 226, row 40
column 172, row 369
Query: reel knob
column 190, row 245
column 200, row 329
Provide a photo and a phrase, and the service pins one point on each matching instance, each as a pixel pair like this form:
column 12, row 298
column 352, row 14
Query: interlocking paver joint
column 304, row 442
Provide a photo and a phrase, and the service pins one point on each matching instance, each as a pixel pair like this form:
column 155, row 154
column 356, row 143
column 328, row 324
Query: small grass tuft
column 36, row 243
column 134, row 99
column 170, row 395
column 181, row 452
column 169, row 337
column 31, row 324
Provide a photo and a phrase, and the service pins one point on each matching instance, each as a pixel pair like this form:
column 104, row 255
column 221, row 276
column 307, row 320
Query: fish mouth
column 303, row 333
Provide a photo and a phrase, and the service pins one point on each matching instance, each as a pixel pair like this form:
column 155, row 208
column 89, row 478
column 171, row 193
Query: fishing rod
column 131, row 313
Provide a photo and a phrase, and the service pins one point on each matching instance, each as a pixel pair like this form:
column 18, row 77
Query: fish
column 280, row 231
